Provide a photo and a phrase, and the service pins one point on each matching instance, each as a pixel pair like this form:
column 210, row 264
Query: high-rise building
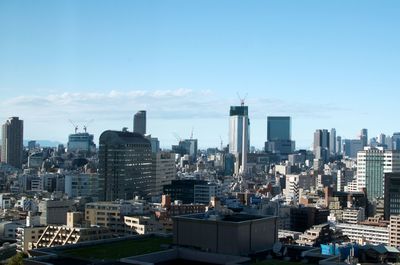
column 164, row 170
column 12, row 147
column 321, row 145
column 352, row 147
column 139, row 122
column 125, row 165
column 81, row 142
column 239, row 136
column 392, row 195
column 339, row 145
column 364, row 137
column 279, row 136
column 332, row 142
column 372, row 163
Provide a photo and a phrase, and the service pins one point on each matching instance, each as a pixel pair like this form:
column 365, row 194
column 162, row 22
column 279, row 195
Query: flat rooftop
column 236, row 218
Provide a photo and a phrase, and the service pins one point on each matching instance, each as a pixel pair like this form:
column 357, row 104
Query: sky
column 327, row 64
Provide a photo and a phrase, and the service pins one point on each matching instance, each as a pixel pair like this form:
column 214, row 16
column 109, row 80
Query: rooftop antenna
column 242, row 99
column 75, row 126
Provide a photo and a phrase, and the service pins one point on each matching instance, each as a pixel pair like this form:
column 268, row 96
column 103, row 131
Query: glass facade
column 278, row 128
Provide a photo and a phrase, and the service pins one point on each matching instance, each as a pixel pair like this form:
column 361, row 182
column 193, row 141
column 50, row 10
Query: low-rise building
column 142, row 225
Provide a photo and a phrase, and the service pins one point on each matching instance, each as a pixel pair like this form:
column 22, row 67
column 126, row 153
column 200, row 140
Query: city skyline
column 327, row 65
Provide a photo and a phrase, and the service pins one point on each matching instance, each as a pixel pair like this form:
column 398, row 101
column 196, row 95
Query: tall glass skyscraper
column 125, row 166
column 139, row 122
column 279, row 136
column 279, row 128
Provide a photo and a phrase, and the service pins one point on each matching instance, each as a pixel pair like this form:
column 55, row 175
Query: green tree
column 17, row 259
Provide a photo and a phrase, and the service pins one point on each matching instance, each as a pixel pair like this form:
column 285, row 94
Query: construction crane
column 242, row 99
column 75, row 126
column 177, row 137
column 86, row 125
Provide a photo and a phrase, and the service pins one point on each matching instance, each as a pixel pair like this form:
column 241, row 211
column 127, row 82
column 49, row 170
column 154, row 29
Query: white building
column 239, row 136
column 82, row 185
column 366, row 234
column 164, row 170
column 353, row 215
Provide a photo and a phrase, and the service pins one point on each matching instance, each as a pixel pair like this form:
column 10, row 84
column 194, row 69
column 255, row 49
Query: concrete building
column 164, row 170
column 54, row 236
column 183, row 189
column 204, row 192
column 82, row 185
column 372, row 163
column 8, row 229
column 125, row 166
column 27, row 237
column 353, row 215
column 239, row 136
column 315, row 236
column 365, row 234
column 142, row 225
column 139, row 122
column 12, row 142
column 111, row 214
column 237, row 234
column 54, row 212
column 352, row 147
column 394, row 234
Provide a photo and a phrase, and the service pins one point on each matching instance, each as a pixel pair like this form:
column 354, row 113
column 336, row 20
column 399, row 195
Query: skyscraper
column 279, row 136
column 12, row 147
column 278, row 128
column 372, row 163
column 321, row 145
column 339, row 145
column 125, row 165
column 239, row 136
column 364, row 137
column 332, row 141
column 139, row 122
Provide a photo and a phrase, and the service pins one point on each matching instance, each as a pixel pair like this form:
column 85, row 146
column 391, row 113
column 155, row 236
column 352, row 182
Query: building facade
column 139, row 122
column 12, row 142
column 125, row 166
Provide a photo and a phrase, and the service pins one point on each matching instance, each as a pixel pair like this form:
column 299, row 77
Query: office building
column 164, row 170
column 12, row 142
column 54, row 212
column 82, row 185
column 225, row 234
column 372, row 163
column 321, row 145
column 239, row 136
column 332, row 142
column 183, row 189
column 139, row 122
column 125, row 166
column 392, row 195
column 394, row 231
column 81, row 143
column 364, row 137
column 339, row 145
column 352, row 147
column 365, row 234
column 279, row 136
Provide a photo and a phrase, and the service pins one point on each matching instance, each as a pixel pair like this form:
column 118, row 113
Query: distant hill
column 44, row 143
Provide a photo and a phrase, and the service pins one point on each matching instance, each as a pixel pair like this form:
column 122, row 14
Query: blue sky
column 325, row 63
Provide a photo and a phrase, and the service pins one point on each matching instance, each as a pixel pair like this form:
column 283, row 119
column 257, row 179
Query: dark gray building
column 12, row 138
column 392, row 195
column 322, row 145
column 237, row 234
column 125, row 165
column 139, row 122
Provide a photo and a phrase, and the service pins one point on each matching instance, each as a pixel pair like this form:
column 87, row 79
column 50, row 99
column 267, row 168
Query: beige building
column 110, row 214
column 164, row 170
column 27, row 237
column 394, row 231
column 142, row 225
